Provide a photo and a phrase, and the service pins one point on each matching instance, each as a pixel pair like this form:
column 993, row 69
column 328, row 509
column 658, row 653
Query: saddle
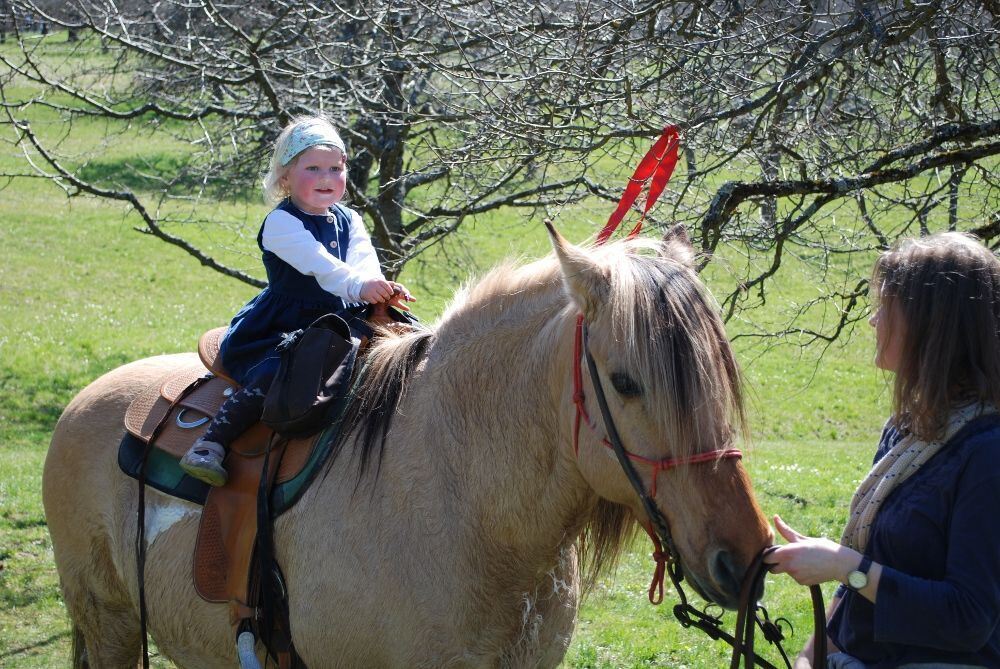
column 175, row 410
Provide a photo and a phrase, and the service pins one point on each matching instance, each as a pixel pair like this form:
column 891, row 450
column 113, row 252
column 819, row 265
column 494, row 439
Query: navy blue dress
column 290, row 301
column 937, row 537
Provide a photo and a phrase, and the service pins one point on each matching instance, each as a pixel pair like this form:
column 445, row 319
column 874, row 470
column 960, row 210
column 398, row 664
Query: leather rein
column 751, row 614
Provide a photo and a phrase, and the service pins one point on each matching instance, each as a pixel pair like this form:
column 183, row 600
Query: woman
column 919, row 561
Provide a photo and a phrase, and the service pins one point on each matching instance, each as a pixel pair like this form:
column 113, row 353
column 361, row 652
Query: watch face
column 857, row 580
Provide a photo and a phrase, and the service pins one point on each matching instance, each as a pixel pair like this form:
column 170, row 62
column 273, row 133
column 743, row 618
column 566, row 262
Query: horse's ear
column 587, row 280
column 677, row 245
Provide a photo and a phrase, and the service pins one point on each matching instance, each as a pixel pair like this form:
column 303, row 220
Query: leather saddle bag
column 313, row 378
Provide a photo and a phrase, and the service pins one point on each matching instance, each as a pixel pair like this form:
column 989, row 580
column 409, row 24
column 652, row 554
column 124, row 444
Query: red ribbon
column 655, row 168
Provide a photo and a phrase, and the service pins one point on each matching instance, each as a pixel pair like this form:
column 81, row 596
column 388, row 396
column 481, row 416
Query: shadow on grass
column 28, row 523
column 24, row 598
column 21, row 650
column 788, row 496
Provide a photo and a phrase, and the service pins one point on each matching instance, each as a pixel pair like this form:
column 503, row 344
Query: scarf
column 900, row 463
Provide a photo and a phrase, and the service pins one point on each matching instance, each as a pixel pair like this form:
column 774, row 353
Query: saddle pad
column 164, row 474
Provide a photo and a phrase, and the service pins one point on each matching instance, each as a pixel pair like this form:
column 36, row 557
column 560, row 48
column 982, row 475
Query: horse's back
column 84, row 492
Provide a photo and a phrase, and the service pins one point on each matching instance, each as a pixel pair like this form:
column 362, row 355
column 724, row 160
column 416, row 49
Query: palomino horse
column 467, row 536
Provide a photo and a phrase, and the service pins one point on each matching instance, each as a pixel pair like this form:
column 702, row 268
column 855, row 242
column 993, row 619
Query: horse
column 459, row 522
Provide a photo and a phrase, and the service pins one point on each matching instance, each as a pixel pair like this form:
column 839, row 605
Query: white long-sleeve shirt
column 286, row 237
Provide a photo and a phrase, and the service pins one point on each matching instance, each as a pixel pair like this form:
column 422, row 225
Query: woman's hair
column 273, row 190
column 946, row 290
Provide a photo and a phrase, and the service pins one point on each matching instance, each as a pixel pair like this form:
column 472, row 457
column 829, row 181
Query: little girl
column 318, row 258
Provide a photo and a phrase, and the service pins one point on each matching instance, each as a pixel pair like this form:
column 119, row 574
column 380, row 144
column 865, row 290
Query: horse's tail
column 387, row 369
column 78, row 656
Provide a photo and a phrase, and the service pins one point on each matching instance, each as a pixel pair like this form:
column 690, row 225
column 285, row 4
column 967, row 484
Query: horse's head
column 673, row 392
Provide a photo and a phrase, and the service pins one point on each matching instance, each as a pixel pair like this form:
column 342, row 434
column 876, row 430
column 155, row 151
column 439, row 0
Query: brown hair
column 946, row 290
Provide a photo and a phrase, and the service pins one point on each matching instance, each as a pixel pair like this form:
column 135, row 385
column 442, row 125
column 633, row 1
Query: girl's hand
column 376, row 291
column 808, row 560
column 400, row 295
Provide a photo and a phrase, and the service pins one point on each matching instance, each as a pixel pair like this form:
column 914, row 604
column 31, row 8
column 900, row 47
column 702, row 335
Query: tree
column 811, row 130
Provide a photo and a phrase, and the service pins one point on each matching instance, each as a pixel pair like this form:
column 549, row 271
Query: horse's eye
column 625, row 385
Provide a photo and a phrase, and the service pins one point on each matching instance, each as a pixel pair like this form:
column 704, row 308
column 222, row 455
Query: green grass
column 82, row 292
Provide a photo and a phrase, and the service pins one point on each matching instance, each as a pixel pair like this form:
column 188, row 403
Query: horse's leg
column 96, row 595
column 548, row 616
column 107, row 640
column 558, row 608
column 105, row 627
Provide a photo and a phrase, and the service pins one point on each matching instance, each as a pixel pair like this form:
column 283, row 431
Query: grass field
column 82, row 292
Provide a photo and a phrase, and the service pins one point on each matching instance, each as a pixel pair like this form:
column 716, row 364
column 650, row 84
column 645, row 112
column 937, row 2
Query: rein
column 751, row 615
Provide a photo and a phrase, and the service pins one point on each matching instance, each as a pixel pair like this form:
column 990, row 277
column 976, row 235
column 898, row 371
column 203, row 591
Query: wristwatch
column 858, row 579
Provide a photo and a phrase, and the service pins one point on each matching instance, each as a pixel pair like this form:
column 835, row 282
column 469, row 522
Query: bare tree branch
column 814, row 133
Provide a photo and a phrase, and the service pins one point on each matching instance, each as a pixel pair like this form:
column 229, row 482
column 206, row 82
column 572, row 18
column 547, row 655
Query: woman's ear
column 587, row 281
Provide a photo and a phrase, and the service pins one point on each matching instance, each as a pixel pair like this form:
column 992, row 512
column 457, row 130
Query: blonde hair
column 947, row 290
column 274, row 191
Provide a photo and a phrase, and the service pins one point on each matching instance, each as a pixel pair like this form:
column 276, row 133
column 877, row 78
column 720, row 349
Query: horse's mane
column 393, row 357
column 382, row 382
column 667, row 330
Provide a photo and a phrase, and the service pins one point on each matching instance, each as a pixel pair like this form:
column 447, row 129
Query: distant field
column 81, row 292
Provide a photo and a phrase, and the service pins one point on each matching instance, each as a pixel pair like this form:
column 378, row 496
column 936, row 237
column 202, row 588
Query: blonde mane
column 664, row 322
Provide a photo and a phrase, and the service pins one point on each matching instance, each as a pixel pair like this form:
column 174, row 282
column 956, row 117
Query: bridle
column 658, row 528
column 751, row 614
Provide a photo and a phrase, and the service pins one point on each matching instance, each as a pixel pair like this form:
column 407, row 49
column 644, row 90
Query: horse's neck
column 495, row 386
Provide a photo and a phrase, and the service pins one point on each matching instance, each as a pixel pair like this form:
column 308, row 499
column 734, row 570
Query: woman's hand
column 808, row 560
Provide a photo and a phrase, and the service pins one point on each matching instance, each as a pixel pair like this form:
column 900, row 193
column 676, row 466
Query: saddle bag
column 313, row 378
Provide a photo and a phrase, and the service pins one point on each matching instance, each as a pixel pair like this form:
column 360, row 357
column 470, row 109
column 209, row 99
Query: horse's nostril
column 725, row 572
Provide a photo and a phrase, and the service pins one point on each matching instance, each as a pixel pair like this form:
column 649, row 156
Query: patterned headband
column 311, row 134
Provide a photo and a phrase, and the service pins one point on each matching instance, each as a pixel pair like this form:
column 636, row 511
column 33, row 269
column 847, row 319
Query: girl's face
column 316, row 179
column 889, row 332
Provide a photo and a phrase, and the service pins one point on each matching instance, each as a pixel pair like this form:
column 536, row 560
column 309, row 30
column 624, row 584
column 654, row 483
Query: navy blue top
column 290, row 301
column 937, row 537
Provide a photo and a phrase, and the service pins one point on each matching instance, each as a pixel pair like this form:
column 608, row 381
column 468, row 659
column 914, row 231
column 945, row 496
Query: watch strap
column 866, row 564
